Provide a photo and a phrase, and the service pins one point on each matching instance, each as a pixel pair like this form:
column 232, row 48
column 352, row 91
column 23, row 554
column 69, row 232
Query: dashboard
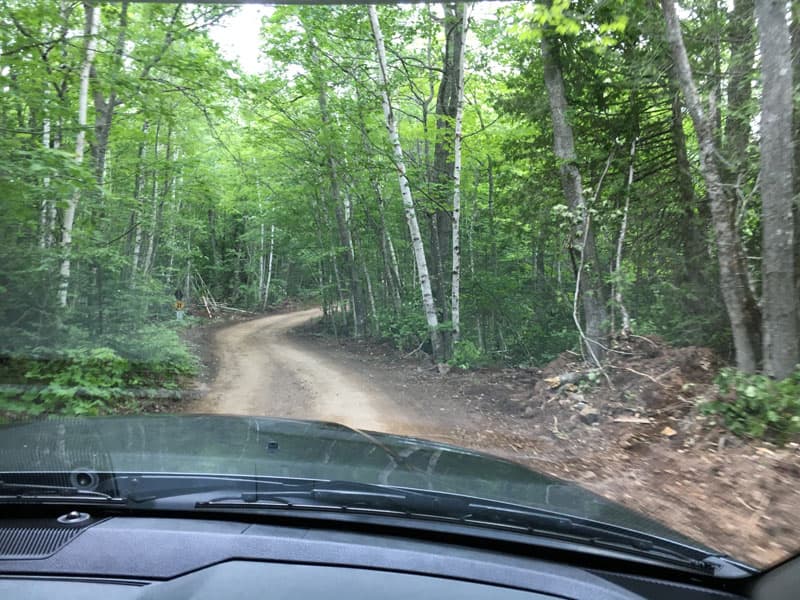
column 152, row 557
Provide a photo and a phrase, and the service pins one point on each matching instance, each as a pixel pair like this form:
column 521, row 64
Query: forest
column 489, row 183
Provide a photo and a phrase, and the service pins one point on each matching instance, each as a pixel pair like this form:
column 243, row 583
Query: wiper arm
column 370, row 498
column 14, row 492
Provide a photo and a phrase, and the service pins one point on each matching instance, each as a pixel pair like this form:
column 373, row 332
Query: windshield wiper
column 401, row 502
column 15, row 492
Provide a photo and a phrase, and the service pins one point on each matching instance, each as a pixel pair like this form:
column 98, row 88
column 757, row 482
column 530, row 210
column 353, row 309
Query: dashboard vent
column 34, row 542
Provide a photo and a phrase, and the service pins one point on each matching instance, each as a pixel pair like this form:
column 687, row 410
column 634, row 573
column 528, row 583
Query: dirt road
column 263, row 371
column 740, row 497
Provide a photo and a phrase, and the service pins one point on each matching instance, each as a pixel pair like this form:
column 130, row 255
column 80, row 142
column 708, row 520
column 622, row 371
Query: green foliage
column 79, row 382
column 757, row 406
column 206, row 159
column 466, row 355
column 406, row 329
column 91, row 380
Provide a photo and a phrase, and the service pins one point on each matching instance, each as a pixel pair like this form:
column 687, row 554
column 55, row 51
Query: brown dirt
column 263, row 371
column 640, row 441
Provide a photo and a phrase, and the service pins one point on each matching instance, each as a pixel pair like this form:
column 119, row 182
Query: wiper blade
column 331, row 494
column 15, row 492
column 391, row 501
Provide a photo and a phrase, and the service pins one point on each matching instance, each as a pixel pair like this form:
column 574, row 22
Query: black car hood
column 234, row 445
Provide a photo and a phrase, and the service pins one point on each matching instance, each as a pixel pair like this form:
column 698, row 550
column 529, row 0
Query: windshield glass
column 554, row 243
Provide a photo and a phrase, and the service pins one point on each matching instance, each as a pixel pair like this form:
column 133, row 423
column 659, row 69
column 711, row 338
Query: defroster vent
column 27, row 541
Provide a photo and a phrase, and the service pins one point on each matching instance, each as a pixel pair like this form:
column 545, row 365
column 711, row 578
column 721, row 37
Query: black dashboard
column 161, row 557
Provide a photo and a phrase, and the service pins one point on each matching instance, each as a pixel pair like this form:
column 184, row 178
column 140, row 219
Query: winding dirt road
column 264, row 371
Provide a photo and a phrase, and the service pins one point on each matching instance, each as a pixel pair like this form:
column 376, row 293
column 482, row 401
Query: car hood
column 238, row 445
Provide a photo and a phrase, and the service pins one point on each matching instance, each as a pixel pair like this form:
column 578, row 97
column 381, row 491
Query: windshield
column 555, row 244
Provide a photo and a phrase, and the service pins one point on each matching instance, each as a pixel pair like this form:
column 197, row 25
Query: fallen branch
column 648, row 340
column 572, row 377
column 634, row 420
column 640, row 374
column 415, row 350
column 224, row 307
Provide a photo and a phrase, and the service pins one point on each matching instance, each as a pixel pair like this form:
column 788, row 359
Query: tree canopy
column 490, row 183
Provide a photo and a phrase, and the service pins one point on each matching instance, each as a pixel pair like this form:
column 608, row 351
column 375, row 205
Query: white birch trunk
column 395, row 265
column 455, row 293
column 626, row 319
column 269, row 265
column 405, row 190
column 137, row 195
column 351, row 253
column 371, row 296
column 91, row 28
column 261, row 264
column 177, row 208
column 44, row 226
column 52, row 213
column 153, row 234
column 151, row 238
column 188, row 281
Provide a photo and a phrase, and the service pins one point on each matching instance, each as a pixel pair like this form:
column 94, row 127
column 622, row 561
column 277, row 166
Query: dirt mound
column 644, row 381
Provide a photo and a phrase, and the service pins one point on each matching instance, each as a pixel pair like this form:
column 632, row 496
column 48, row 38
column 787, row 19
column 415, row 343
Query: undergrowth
column 756, row 406
column 85, row 376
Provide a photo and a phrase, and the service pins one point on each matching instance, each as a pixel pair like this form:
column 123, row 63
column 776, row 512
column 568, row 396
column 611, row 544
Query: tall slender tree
column 781, row 351
column 428, row 302
column 742, row 310
column 91, row 26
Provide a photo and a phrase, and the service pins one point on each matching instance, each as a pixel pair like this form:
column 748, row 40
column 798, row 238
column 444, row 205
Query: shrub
column 78, row 382
column 405, row 330
column 758, row 407
column 466, row 355
column 93, row 377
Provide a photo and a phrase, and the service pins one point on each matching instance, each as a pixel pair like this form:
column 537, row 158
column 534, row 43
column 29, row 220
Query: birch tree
column 92, row 22
column 269, row 265
column 455, row 298
column 428, row 303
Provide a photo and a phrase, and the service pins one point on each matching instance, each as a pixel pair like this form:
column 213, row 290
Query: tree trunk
column 261, row 265
column 91, row 27
column 212, row 237
column 370, row 294
column 695, row 215
column 269, row 265
column 591, row 284
column 104, row 108
column 153, row 235
column 739, row 114
column 780, row 343
column 138, row 186
column 455, row 288
column 428, row 302
column 342, row 304
column 796, row 139
column 45, row 227
column 443, row 170
column 623, row 228
column 340, row 203
column 742, row 309
column 390, row 256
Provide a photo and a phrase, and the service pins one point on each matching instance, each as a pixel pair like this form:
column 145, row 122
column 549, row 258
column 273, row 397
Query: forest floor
column 637, row 438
